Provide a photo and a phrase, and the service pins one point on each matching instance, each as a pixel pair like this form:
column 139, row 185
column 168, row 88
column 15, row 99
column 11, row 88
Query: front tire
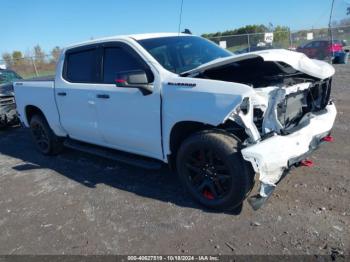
column 44, row 138
column 211, row 168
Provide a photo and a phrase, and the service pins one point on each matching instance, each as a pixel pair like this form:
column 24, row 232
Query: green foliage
column 281, row 35
column 16, row 55
column 248, row 29
column 256, row 35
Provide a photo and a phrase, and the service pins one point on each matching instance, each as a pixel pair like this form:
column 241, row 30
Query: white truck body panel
column 40, row 94
column 221, row 98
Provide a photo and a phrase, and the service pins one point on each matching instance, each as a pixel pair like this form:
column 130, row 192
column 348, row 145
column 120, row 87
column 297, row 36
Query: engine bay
column 283, row 95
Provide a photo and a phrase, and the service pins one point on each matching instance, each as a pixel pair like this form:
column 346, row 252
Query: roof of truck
column 155, row 35
column 133, row 36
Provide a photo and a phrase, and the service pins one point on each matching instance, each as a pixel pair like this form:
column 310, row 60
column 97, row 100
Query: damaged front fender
column 243, row 115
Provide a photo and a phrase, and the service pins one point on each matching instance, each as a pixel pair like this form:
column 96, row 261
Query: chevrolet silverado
column 218, row 119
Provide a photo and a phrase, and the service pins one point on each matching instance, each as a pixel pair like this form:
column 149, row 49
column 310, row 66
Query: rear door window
column 309, row 45
column 81, row 66
column 316, row 44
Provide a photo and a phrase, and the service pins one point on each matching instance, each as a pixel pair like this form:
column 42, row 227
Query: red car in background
column 321, row 49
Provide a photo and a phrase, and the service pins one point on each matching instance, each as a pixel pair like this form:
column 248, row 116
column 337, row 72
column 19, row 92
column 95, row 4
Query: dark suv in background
column 8, row 113
column 321, row 49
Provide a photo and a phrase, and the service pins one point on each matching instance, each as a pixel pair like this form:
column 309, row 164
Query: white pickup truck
column 217, row 118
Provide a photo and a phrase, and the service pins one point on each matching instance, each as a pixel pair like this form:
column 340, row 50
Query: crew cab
column 218, row 119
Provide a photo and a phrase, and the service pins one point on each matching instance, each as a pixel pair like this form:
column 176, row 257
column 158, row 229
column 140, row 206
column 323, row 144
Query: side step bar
column 123, row 157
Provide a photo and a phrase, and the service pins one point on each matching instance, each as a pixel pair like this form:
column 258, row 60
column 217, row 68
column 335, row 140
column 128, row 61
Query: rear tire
column 44, row 138
column 211, row 168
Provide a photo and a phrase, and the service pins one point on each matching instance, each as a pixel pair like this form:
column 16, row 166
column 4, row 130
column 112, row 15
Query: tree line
column 38, row 55
column 249, row 29
column 39, row 63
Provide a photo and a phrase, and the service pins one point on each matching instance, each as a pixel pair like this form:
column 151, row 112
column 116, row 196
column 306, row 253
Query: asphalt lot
column 78, row 204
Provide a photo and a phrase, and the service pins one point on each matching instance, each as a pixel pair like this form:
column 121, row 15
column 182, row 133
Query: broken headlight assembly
column 244, row 107
column 243, row 115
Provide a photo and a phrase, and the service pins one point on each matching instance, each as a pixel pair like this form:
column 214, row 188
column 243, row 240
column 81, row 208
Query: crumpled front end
column 284, row 124
column 288, row 115
column 272, row 156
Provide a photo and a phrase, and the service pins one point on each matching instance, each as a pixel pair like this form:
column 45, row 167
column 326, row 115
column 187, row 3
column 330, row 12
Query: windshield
column 8, row 76
column 182, row 53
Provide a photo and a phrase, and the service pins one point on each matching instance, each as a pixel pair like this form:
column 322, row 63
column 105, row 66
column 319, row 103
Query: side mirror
column 134, row 79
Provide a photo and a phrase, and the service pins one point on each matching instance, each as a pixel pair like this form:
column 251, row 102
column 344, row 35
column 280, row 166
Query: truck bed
column 39, row 92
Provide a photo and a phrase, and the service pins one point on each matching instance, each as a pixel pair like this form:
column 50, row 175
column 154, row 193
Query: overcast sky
column 61, row 22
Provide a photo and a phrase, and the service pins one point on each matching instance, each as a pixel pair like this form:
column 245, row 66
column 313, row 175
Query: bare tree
column 55, row 52
column 7, row 58
column 39, row 54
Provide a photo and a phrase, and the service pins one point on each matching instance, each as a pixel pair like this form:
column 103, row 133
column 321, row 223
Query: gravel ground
column 78, row 204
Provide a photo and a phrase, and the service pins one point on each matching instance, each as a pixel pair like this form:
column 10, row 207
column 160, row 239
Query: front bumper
column 8, row 114
column 273, row 156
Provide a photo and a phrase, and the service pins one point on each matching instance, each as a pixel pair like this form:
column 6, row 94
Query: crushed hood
column 298, row 61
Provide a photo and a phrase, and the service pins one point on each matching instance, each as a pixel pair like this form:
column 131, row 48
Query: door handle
column 103, row 96
column 61, row 93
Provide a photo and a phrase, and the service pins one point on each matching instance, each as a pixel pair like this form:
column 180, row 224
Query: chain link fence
column 280, row 39
column 343, row 34
column 252, row 42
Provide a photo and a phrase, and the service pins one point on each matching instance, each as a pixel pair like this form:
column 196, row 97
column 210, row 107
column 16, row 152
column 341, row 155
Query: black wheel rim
column 208, row 175
column 40, row 136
